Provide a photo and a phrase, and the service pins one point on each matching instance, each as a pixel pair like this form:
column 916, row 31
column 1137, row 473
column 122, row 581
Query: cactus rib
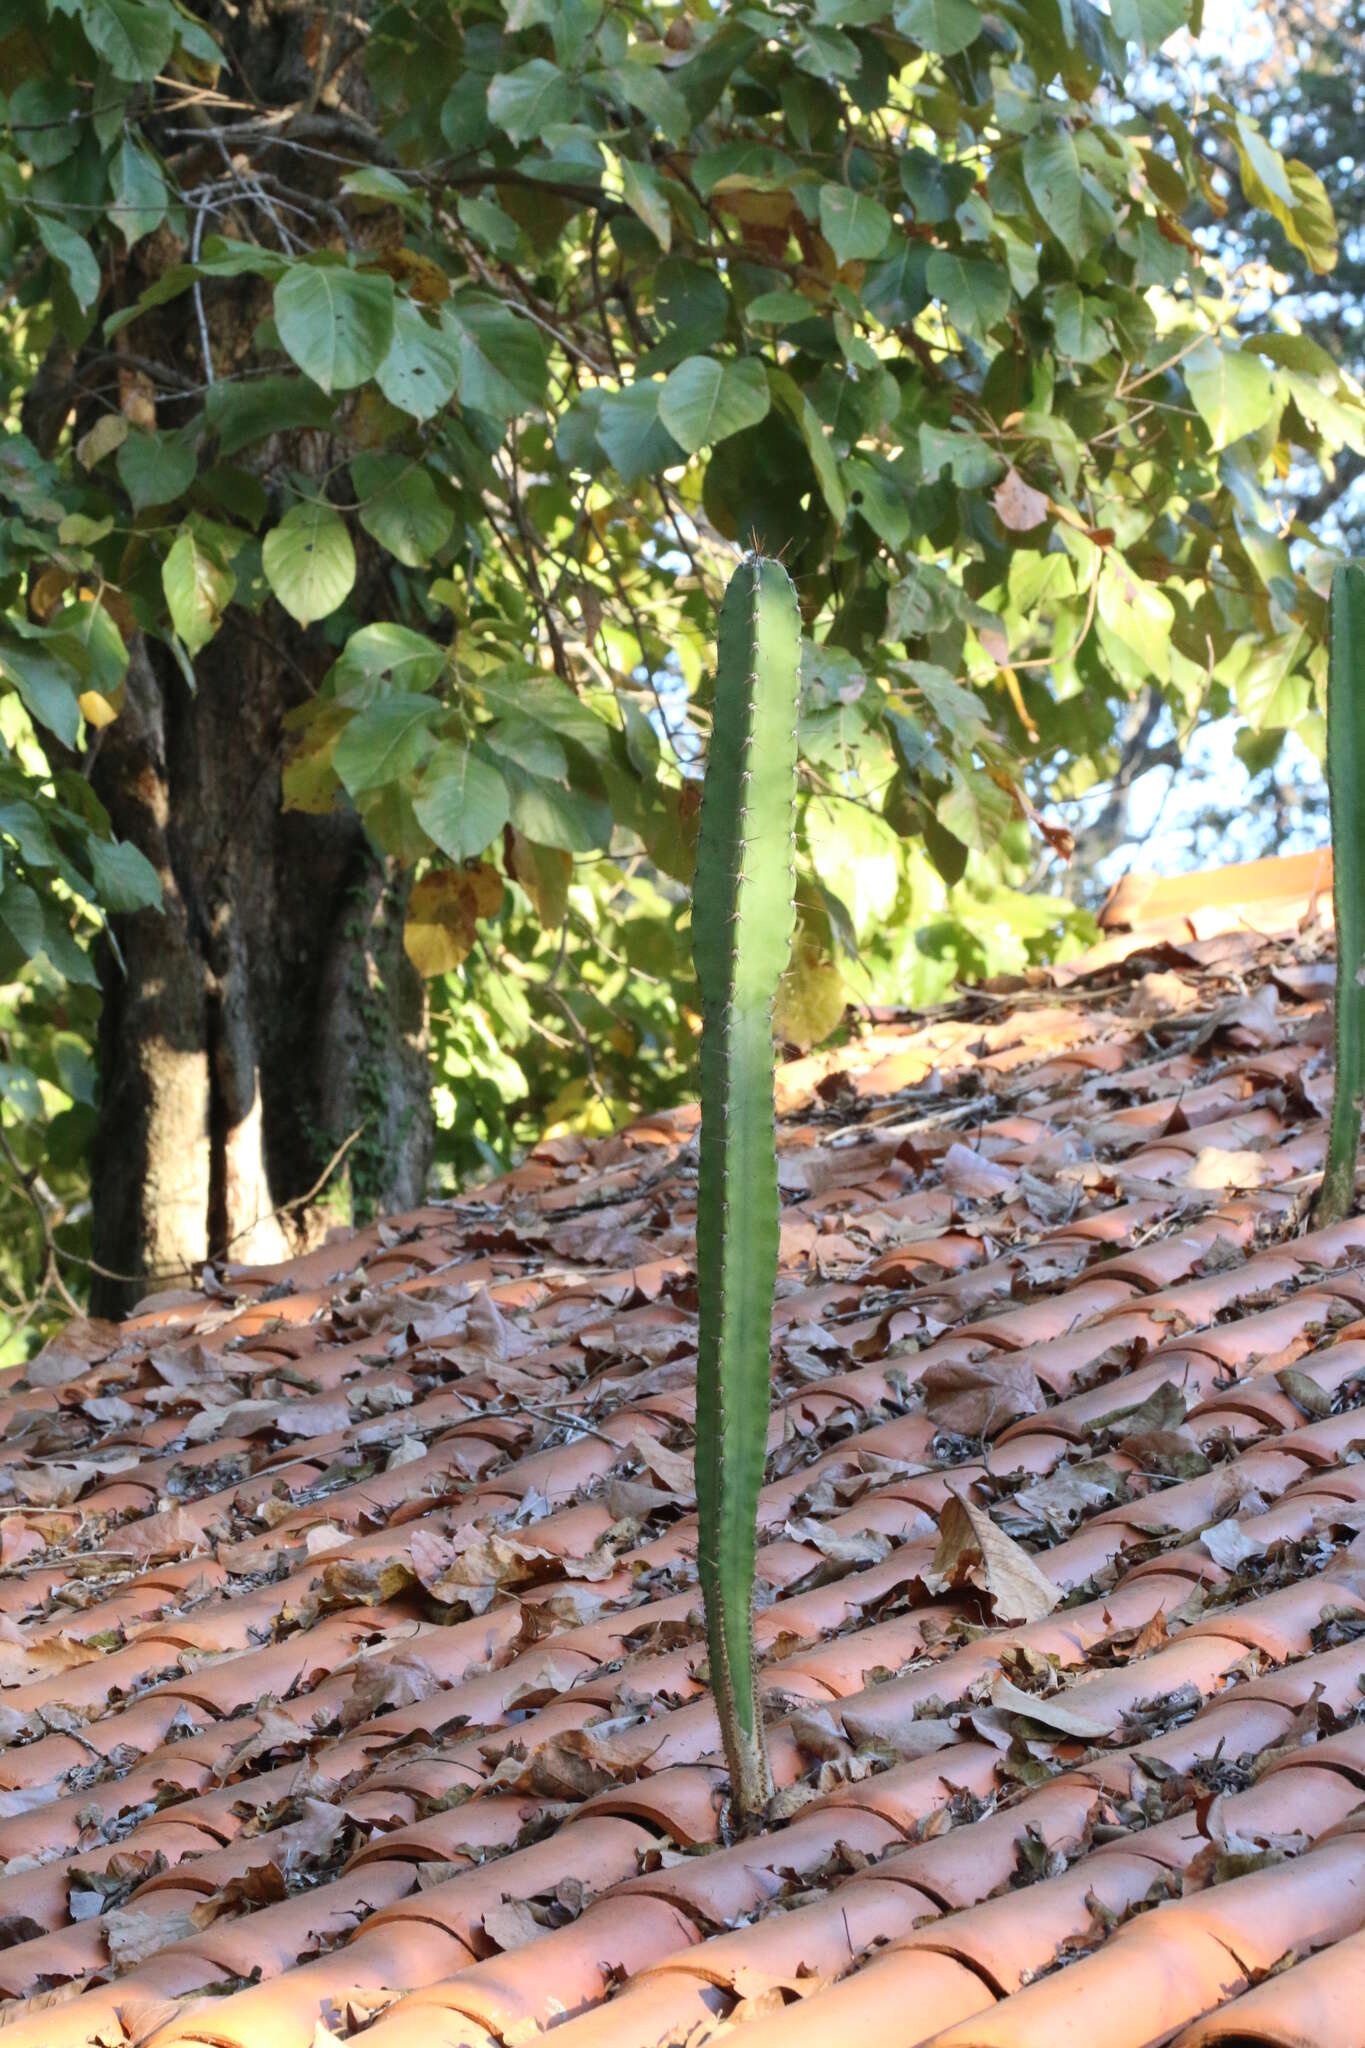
column 1346, row 791
column 742, row 929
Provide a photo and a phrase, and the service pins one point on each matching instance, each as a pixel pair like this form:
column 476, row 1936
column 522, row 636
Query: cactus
column 1346, row 789
column 742, row 919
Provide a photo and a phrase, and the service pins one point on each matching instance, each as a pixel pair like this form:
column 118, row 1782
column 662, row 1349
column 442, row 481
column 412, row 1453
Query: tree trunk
column 267, row 1015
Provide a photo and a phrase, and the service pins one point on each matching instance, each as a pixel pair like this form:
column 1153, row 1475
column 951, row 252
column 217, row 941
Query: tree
column 398, row 387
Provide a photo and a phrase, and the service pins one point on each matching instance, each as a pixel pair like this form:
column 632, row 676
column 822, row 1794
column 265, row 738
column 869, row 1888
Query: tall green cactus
column 1346, row 789
column 742, row 916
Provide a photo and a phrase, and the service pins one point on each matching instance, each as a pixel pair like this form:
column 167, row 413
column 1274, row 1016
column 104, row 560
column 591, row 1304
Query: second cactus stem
column 742, row 920
column 1346, row 791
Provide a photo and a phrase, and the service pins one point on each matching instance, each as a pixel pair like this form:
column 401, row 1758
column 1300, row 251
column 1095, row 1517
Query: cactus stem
column 743, row 915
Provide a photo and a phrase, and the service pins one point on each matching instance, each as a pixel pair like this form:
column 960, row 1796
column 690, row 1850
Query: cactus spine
column 742, row 916
column 1346, row 790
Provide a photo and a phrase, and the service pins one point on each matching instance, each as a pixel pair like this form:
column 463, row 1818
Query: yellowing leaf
column 96, row 709
column 443, row 914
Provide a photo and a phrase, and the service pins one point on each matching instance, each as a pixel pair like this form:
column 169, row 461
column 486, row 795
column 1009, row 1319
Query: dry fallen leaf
column 1228, row 1544
column 979, row 1400
column 973, row 1551
column 1051, row 1713
column 1017, row 505
column 133, row 1933
column 969, row 1173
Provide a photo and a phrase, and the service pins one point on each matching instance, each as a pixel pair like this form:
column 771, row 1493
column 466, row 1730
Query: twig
column 199, row 312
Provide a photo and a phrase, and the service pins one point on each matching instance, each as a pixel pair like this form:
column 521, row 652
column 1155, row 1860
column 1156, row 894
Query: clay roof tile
column 352, row 1684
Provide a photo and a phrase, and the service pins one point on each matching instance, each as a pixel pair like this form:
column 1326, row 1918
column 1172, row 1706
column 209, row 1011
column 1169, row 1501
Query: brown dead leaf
column 173, row 1533
column 261, row 1884
column 383, row 1684
column 1304, row 1391
column 971, row 1174
column 674, row 1468
column 1215, row 1168
column 511, row 1925
column 973, row 1551
column 1163, row 1409
column 132, row 1934
column 851, row 1547
column 24, row 1661
column 1051, row 1713
column 1017, row 505
column 981, row 1399
column 875, row 1726
column 1229, row 1545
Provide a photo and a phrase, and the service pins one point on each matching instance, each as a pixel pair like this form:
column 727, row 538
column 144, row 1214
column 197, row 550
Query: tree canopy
column 475, row 355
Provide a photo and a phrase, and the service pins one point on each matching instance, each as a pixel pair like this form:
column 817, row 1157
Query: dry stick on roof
column 1346, row 789
column 742, row 921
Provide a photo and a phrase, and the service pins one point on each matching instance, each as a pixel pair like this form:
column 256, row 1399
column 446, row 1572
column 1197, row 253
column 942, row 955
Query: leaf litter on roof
column 352, row 1679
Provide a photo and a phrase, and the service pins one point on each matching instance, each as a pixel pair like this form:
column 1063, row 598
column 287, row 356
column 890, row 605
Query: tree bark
column 267, row 1014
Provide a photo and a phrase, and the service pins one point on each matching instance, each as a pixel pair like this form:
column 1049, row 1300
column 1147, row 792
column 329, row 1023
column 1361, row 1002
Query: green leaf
column 503, row 368
column 523, row 103
column 47, row 120
column 336, row 324
column 384, row 656
column 139, row 189
column 778, row 309
column 943, row 26
column 880, row 500
column 975, row 292
column 243, row 413
column 419, row 372
column 811, row 428
column 636, row 441
column 198, row 590
column 968, row 459
column 463, row 803
column 553, row 815
column 934, row 188
column 550, row 703
column 704, row 401
column 896, row 290
column 975, row 810
column 124, row 877
column 1289, row 190
column 1233, row 393
column 134, row 39
column 1137, row 614
column 309, row 561
column 49, row 687
column 401, row 508
column 1149, row 22
column 385, row 744
column 74, row 255
column 646, row 194
column 856, row 227
column 857, row 856
column 648, row 89
column 1052, row 172
column 1077, row 322
column 155, row 468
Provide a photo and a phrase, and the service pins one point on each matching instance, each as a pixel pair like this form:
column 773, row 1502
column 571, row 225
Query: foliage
column 1298, row 69
column 1346, row 785
column 743, row 916
column 483, row 384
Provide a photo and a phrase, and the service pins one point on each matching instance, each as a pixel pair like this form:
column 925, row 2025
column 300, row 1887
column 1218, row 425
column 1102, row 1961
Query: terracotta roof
column 350, row 1642
column 1254, row 895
